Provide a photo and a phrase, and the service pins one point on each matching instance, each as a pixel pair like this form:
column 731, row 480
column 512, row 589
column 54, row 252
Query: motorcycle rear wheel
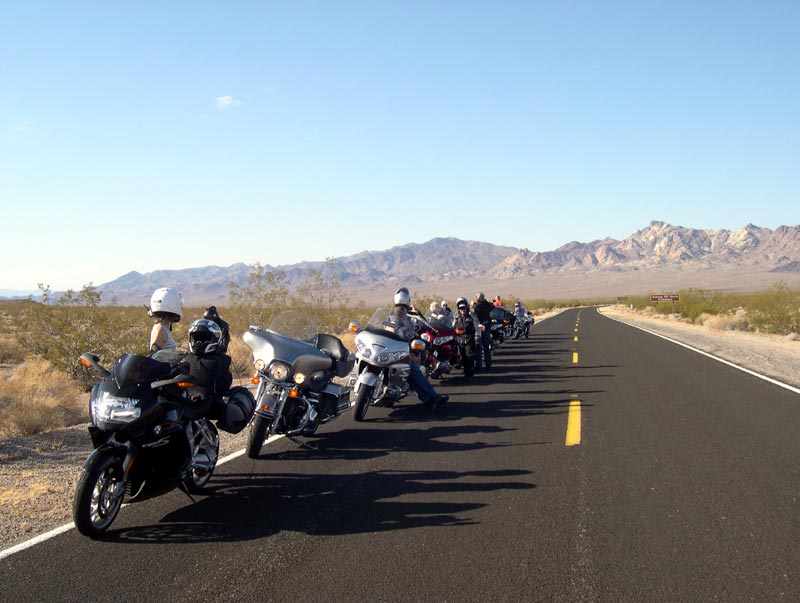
column 257, row 435
column 361, row 403
column 94, row 507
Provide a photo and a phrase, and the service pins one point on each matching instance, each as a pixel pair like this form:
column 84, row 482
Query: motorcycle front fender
column 366, row 378
column 103, row 451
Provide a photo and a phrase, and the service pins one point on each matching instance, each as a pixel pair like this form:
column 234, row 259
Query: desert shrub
column 776, row 311
column 241, row 360
column 37, row 398
column 12, row 351
column 61, row 330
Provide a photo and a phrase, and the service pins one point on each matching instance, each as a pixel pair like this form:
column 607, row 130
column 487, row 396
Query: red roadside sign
column 673, row 297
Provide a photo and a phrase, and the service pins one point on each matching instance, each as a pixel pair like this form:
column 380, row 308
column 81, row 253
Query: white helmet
column 402, row 297
column 444, row 303
column 167, row 301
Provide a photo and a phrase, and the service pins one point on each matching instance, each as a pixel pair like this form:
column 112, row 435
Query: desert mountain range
column 659, row 258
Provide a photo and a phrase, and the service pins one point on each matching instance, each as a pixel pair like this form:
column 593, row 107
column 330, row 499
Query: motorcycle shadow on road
column 243, row 507
column 317, row 492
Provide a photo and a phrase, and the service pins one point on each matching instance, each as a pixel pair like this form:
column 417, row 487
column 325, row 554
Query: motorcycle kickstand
column 182, row 488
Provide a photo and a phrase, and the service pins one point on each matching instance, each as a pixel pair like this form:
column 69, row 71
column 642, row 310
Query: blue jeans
column 420, row 384
column 483, row 352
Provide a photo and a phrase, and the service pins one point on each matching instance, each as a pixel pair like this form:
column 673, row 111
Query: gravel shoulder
column 38, row 474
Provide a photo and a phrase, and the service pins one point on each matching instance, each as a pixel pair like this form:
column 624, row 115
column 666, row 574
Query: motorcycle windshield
column 382, row 320
column 497, row 314
column 133, row 369
column 441, row 322
column 294, row 324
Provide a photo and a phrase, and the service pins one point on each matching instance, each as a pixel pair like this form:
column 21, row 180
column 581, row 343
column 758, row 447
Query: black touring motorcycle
column 150, row 435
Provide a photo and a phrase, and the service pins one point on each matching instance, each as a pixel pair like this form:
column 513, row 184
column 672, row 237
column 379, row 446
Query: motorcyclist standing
column 466, row 322
column 482, row 309
column 445, row 310
column 405, row 328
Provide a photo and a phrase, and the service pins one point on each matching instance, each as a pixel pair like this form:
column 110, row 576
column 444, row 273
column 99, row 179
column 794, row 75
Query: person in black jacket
column 465, row 324
column 482, row 309
column 212, row 315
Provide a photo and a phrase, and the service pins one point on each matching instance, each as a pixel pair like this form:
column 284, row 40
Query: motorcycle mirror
column 354, row 326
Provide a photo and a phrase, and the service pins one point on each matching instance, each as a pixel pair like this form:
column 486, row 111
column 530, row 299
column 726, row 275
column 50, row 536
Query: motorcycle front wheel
column 361, row 403
column 95, row 507
column 257, row 435
column 206, row 453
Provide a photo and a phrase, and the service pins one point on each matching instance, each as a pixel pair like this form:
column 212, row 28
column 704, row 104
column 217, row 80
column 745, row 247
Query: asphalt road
column 680, row 484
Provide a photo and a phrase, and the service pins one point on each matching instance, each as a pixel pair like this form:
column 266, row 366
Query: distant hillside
column 657, row 257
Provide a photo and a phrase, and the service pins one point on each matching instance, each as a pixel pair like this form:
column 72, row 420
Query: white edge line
column 717, row 358
column 68, row 526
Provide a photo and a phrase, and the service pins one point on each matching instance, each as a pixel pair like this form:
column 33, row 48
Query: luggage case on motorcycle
column 234, row 411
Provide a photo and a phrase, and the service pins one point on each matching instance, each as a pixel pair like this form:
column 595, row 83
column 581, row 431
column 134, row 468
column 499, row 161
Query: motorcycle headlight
column 364, row 350
column 299, row 378
column 107, row 408
column 260, row 365
column 391, row 357
column 278, row 371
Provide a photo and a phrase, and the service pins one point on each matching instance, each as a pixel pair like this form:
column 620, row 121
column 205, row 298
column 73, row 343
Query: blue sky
column 145, row 136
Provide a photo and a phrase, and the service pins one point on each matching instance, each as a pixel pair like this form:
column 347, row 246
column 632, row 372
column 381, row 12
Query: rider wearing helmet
column 521, row 315
column 166, row 307
column 445, row 309
column 467, row 323
column 405, row 328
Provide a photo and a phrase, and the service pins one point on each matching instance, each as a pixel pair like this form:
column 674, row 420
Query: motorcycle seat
column 333, row 347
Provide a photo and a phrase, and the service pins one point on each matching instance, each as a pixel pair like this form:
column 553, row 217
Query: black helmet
column 204, row 336
column 461, row 302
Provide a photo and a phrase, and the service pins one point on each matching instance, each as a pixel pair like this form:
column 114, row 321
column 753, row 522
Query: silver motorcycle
column 382, row 365
column 295, row 368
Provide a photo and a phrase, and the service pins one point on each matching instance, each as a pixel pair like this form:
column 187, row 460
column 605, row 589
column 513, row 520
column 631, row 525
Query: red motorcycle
column 439, row 333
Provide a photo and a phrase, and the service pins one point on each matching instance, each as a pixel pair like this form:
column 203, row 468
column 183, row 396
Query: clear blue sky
column 159, row 135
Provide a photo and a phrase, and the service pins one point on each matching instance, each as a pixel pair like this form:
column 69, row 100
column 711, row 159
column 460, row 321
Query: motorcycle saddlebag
column 335, row 399
column 235, row 410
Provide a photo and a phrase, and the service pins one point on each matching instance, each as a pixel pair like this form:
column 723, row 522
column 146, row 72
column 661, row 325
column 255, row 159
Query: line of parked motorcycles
column 150, row 435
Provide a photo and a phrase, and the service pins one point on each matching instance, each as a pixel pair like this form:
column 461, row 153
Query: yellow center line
column 576, row 338
column 574, row 357
column 574, row 424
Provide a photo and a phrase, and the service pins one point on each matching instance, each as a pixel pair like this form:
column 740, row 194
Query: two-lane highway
column 594, row 462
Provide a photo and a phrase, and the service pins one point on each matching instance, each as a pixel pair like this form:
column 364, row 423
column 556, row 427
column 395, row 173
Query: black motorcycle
column 501, row 326
column 295, row 368
column 149, row 437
